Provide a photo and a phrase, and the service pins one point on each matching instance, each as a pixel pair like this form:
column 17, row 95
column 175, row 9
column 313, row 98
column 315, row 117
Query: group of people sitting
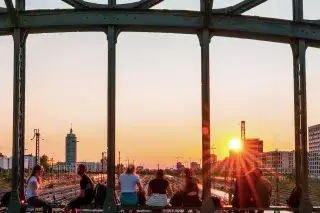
column 33, row 190
column 251, row 190
column 159, row 190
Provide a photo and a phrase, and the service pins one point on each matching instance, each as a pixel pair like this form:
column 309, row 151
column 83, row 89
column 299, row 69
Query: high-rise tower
column 71, row 147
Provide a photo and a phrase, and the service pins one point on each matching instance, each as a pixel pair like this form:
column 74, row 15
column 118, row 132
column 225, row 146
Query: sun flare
column 235, row 145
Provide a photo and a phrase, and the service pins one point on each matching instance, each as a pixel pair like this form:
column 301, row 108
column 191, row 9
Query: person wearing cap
column 128, row 182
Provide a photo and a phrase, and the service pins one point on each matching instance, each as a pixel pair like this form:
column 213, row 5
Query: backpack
column 142, row 200
column 5, row 199
column 100, row 193
column 216, row 201
column 210, row 204
column 295, row 197
column 177, row 199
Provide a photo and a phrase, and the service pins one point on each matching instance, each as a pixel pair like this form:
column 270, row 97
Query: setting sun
column 235, row 145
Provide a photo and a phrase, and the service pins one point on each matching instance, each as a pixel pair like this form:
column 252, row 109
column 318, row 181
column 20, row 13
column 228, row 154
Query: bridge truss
column 113, row 18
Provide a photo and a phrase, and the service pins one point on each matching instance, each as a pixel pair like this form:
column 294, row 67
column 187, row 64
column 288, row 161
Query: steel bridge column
column 305, row 205
column 22, row 118
column 297, row 11
column 300, row 107
column 21, row 5
column 19, row 38
column 205, row 38
column 297, row 106
column 109, row 204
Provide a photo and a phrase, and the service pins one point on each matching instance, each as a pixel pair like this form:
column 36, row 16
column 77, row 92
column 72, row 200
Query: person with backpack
column 34, row 188
column 158, row 189
column 86, row 195
column 128, row 183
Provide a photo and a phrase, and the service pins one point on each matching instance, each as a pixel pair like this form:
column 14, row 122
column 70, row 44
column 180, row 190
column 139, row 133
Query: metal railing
column 225, row 209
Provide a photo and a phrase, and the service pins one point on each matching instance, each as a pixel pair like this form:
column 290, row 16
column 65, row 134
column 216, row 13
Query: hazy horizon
column 158, row 89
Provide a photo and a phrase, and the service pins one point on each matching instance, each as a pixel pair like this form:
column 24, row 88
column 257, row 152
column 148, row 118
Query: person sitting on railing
column 33, row 190
column 158, row 189
column 128, row 182
column 86, row 191
column 263, row 190
column 189, row 195
column 191, row 190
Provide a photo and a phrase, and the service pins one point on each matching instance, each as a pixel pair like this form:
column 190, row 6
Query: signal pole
column 119, row 159
column 51, row 168
column 37, row 136
column 277, row 176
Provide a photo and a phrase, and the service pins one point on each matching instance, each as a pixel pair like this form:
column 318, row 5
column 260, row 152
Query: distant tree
column 44, row 162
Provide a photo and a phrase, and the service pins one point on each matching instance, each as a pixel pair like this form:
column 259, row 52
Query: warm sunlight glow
column 235, row 145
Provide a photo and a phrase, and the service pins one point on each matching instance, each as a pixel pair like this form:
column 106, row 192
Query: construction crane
column 37, row 136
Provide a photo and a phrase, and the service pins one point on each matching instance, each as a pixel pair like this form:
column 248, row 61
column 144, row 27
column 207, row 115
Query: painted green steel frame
column 113, row 18
column 167, row 21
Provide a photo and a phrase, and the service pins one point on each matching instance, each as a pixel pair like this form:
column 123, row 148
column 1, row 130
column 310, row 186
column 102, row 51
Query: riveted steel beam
column 79, row 4
column 167, row 21
column 9, row 5
column 142, row 4
column 11, row 11
column 240, row 8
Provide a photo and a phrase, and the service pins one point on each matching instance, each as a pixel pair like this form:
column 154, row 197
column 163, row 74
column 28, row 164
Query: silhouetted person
column 295, row 199
column 243, row 197
column 263, row 190
column 189, row 195
column 86, row 191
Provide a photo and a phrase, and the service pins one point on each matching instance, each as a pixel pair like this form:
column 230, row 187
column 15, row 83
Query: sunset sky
column 158, row 89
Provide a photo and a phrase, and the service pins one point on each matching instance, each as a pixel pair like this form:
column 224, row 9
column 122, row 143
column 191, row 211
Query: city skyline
column 158, row 90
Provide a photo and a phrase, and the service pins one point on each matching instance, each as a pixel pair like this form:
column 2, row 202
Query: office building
column 31, row 161
column 71, row 148
column 314, row 149
column 279, row 161
column 251, row 153
column 4, row 162
column 72, row 167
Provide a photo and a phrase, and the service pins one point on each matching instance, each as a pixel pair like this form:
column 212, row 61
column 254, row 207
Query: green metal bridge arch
column 113, row 18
